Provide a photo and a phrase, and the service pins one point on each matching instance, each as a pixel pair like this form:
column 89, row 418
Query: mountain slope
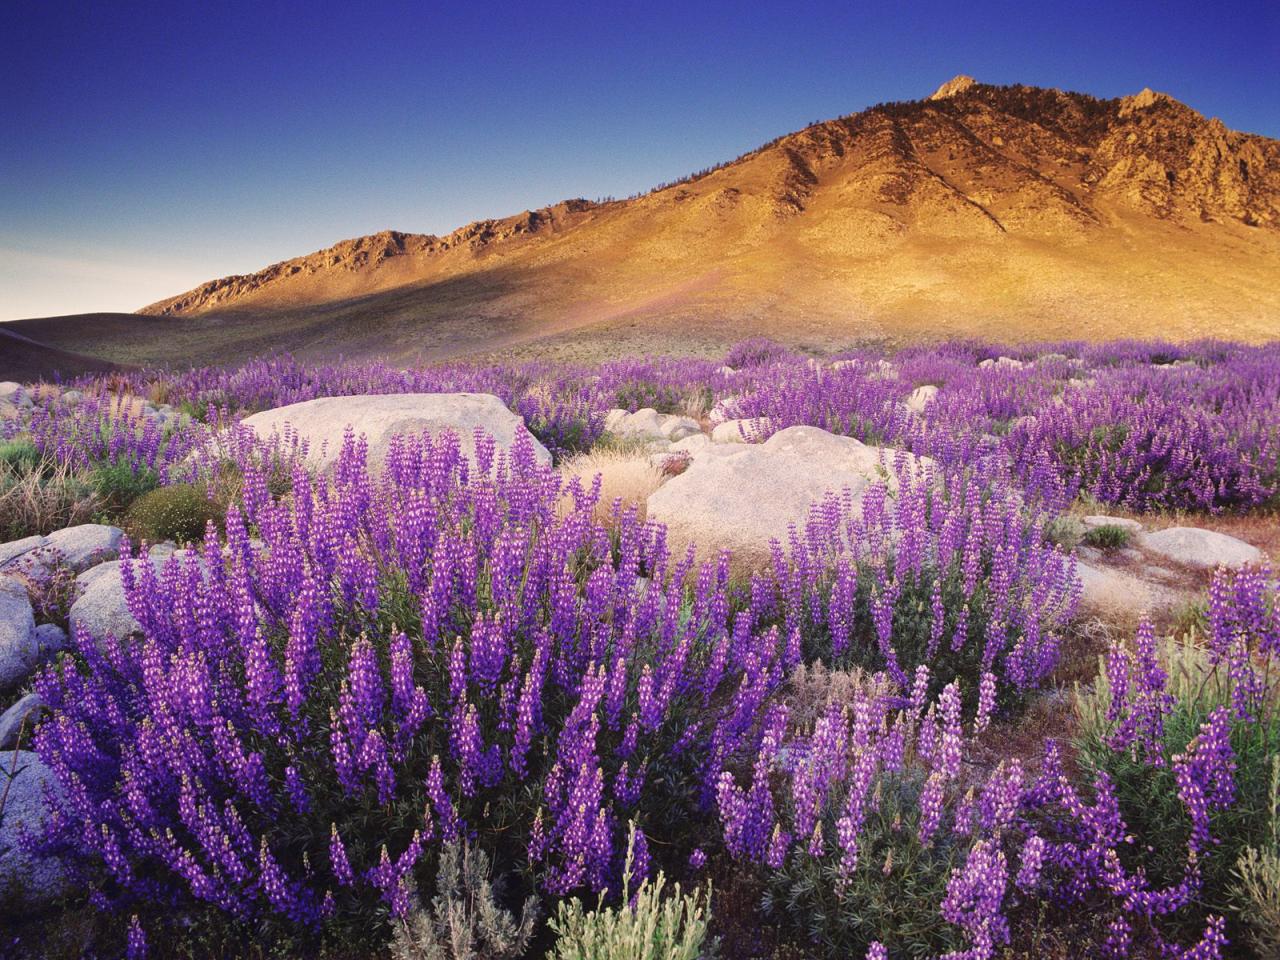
column 1015, row 212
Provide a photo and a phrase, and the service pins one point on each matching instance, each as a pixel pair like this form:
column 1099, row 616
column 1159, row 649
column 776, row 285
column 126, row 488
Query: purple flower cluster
column 381, row 661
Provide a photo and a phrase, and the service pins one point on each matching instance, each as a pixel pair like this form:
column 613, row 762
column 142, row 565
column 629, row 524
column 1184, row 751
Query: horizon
column 270, row 139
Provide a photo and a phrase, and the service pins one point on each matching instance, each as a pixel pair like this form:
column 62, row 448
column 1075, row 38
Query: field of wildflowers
column 349, row 676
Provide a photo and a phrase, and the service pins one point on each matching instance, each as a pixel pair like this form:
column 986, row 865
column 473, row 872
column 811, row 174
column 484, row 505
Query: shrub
column 623, row 476
column 20, row 457
column 954, row 575
column 1182, row 740
column 1108, row 536
column 179, row 512
column 464, row 920
column 891, row 896
column 646, row 925
column 119, row 484
column 1257, row 890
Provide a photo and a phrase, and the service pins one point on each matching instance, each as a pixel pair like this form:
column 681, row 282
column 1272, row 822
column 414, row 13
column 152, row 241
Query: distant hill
column 1003, row 211
column 26, row 360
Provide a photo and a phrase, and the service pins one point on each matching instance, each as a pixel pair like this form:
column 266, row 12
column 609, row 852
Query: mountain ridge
column 982, row 209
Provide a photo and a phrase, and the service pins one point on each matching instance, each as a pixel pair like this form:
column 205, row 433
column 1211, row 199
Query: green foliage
column 638, row 394
column 892, row 895
column 1109, row 536
column 1257, row 890
column 1148, row 795
column 117, row 485
column 645, row 926
column 179, row 513
column 464, row 920
column 20, row 457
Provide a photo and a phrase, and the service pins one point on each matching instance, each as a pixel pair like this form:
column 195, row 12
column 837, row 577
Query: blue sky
column 147, row 147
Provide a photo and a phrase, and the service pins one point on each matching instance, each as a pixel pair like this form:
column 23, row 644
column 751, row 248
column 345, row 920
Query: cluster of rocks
column 1156, row 571
column 88, row 551
column 13, row 397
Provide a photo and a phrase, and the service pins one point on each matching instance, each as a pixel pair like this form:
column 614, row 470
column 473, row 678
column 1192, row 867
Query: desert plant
column 464, row 920
column 50, row 582
column 891, row 896
column 1108, row 536
column 179, row 513
column 1257, row 890
column 646, row 925
column 118, row 484
column 1172, row 693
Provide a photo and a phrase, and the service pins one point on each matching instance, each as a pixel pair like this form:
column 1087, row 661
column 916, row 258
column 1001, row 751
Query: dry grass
column 625, row 475
column 42, row 501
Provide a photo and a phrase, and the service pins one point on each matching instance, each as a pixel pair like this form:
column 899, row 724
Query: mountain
column 1003, row 211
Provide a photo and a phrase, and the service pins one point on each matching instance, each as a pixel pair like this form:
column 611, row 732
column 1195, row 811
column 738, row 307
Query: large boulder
column 14, row 550
column 28, row 877
column 1200, row 548
column 379, row 417
column 19, row 650
column 741, row 496
column 86, row 545
column 101, row 609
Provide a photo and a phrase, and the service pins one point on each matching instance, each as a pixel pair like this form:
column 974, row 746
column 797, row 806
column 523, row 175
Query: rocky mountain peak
column 953, row 87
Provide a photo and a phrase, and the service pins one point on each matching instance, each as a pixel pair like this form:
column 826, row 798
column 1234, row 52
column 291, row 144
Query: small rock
column 1200, row 548
column 51, row 640
column 921, row 397
column 72, row 397
column 30, row 877
column 613, row 418
column 1008, row 363
column 14, row 549
column 86, row 545
column 677, row 427
column 726, row 371
column 9, row 390
column 28, row 709
column 645, row 422
column 19, row 651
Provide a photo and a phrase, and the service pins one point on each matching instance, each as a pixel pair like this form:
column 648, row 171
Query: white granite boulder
column 86, row 545
column 322, row 423
column 739, row 431
column 741, row 496
column 15, row 550
column 20, row 718
column 921, row 397
column 1197, row 547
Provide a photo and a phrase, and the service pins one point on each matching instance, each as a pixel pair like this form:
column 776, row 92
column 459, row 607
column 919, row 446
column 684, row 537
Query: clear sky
column 145, row 147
